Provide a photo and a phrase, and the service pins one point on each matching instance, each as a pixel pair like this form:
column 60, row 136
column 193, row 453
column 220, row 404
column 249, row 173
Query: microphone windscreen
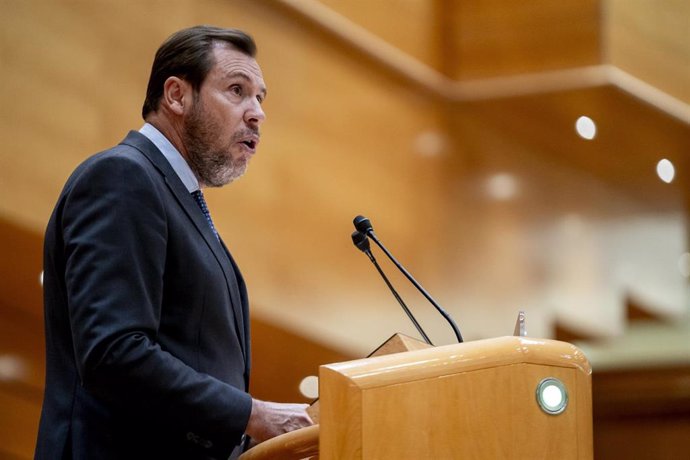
column 360, row 240
column 363, row 224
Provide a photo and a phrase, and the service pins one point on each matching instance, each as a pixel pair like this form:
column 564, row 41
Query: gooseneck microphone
column 362, row 242
column 363, row 225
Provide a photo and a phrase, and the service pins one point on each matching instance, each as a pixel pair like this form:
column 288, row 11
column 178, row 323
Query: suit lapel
column 244, row 303
column 190, row 207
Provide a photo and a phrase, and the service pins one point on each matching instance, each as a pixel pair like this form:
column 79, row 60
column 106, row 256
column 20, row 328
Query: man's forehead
column 230, row 60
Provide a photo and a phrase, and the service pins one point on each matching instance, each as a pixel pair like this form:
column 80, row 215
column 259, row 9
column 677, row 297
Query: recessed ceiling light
column 665, row 170
column 502, row 186
column 586, row 128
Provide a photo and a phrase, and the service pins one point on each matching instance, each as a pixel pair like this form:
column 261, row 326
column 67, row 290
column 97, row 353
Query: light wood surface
column 650, row 39
column 296, row 445
column 504, row 37
column 472, row 400
column 397, row 343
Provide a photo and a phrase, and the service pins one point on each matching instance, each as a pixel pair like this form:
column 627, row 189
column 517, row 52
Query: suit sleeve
column 115, row 233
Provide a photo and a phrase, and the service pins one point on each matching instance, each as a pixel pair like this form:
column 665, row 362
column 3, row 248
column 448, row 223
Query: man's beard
column 214, row 166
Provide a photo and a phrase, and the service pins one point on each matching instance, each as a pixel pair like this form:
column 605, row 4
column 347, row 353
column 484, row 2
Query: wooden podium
column 503, row 398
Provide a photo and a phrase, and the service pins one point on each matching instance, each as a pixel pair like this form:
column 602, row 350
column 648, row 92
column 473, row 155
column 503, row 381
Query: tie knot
column 199, row 198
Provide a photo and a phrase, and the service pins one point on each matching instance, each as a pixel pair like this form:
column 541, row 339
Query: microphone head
column 362, row 224
column 361, row 241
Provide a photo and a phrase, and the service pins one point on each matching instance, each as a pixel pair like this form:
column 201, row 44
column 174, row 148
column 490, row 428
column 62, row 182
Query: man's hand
column 269, row 419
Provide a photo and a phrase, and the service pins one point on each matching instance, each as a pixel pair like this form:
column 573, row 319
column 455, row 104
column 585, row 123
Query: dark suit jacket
column 146, row 318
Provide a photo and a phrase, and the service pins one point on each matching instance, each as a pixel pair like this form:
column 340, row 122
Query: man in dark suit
column 147, row 322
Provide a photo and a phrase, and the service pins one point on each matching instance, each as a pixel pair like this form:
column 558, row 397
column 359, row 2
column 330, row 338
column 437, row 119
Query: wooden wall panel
column 19, row 420
column 414, row 29
column 504, row 37
column 281, row 359
column 22, row 262
column 642, row 413
column 21, row 375
column 651, row 40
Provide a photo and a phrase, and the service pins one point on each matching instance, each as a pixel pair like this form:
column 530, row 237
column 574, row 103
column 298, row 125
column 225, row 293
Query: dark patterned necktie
column 199, row 198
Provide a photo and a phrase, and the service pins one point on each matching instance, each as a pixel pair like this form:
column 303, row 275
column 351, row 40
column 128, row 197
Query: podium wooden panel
column 472, row 400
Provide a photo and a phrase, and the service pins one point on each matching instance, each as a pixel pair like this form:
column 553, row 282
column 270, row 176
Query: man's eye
column 236, row 89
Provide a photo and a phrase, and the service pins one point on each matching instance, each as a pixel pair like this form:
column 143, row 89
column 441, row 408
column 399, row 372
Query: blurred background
column 514, row 155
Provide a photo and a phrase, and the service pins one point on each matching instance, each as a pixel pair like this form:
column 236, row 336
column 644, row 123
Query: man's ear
column 177, row 94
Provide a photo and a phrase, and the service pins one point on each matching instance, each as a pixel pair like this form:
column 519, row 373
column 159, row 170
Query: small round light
column 665, row 170
column 552, row 396
column 430, row 143
column 12, row 368
column 586, row 128
column 309, row 387
column 502, row 186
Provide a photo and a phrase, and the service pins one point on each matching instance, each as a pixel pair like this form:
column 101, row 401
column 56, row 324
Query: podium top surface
column 463, row 357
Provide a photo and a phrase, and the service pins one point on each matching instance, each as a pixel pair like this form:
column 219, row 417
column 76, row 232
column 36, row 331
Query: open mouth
column 250, row 143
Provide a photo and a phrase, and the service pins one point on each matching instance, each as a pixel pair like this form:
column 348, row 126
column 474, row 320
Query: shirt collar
column 174, row 157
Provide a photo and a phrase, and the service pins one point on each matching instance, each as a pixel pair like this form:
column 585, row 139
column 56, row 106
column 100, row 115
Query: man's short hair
column 187, row 54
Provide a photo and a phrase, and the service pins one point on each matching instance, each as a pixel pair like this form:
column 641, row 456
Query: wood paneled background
column 450, row 123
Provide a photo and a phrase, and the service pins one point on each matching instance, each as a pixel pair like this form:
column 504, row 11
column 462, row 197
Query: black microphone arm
column 362, row 242
column 363, row 225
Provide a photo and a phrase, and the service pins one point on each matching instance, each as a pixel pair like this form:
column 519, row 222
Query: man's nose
column 255, row 113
